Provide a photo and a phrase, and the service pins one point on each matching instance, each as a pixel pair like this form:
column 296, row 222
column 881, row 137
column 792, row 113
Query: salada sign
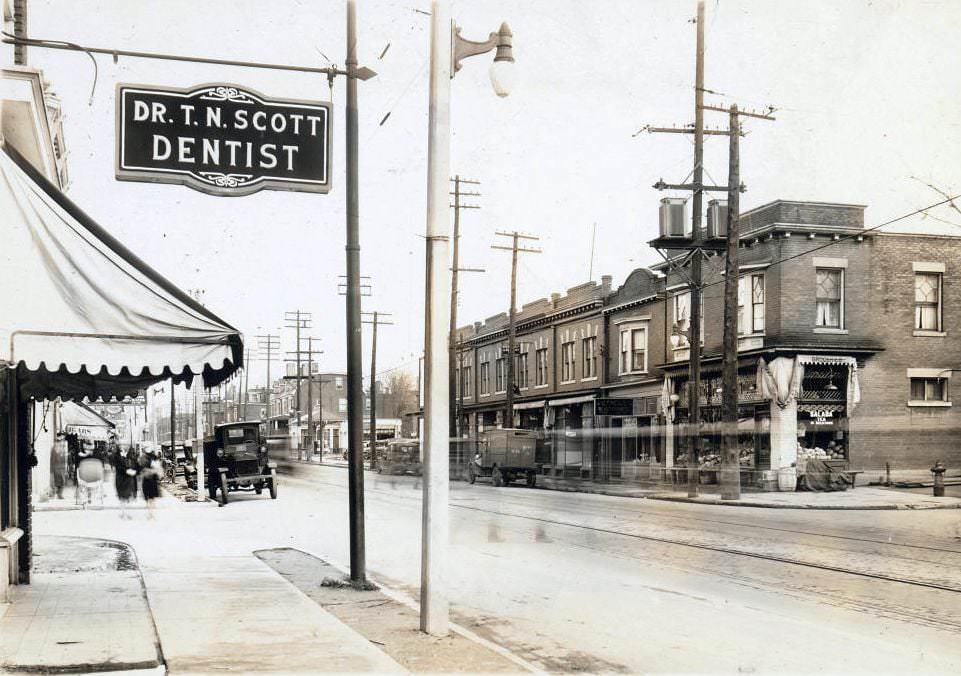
column 222, row 139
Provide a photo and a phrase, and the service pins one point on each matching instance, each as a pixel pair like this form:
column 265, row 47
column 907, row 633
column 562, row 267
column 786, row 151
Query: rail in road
column 931, row 566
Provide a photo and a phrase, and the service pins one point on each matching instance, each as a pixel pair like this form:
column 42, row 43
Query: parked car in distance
column 399, row 456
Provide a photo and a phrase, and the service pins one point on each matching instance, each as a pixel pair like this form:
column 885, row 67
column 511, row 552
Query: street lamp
column 447, row 50
column 502, row 69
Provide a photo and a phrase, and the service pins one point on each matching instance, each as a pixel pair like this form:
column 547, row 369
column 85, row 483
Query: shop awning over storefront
column 525, row 405
column 571, row 400
column 80, row 314
column 78, row 419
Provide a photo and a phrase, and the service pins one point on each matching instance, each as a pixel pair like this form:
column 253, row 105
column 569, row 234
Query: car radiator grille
column 246, row 467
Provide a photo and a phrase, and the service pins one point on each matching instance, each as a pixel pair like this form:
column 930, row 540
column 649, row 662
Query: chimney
column 554, row 298
column 477, row 327
column 606, row 282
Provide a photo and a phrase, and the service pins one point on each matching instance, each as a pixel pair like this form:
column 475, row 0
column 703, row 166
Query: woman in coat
column 150, row 481
column 125, row 479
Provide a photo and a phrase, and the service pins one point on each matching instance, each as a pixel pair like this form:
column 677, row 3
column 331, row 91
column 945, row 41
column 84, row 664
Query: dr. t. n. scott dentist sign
column 222, row 139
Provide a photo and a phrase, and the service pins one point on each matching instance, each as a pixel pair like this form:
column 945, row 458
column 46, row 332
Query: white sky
column 867, row 94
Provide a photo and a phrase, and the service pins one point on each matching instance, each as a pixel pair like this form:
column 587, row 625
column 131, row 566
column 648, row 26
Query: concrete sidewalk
column 209, row 602
column 85, row 610
column 863, row 497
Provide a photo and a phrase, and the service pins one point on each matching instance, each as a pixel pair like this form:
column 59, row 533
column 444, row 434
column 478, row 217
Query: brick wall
column 884, row 428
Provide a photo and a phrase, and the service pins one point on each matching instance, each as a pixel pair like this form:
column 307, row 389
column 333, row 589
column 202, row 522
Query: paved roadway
column 598, row 583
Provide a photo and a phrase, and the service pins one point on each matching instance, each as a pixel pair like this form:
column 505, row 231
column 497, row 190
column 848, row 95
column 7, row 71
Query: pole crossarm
column 742, row 113
column 519, row 249
column 685, row 130
column 359, row 73
column 661, row 185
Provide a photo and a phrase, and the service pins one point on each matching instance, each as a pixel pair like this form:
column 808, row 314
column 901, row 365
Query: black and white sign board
column 222, row 139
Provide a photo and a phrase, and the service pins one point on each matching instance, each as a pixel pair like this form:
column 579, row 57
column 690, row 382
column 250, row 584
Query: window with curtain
column 485, row 374
column 750, row 304
column 520, row 370
column 633, row 350
column 927, row 301
column 829, row 297
column 588, row 346
column 499, row 376
column 567, row 361
column 540, row 358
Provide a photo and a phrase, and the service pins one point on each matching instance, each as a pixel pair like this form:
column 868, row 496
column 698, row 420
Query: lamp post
column 447, row 49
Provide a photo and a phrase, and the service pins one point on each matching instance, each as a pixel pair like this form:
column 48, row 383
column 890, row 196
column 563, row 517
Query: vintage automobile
column 235, row 459
column 177, row 458
column 399, row 456
column 506, row 455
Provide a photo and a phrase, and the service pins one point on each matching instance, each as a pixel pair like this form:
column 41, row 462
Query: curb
column 777, row 505
column 405, row 600
column 102, row 667
column 718, row 502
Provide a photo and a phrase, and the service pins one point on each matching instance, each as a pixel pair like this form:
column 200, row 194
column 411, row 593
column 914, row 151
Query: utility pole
column 455, row 414
column 355, row 390
column 375, row 320
column 730, row 460
column 310, row 396
column 173, row 418
column 246, row 376
column 514, row 248
column 298, row 320
column 269, row 345
column 198, row 446
column 696, row 246
column 308, row 354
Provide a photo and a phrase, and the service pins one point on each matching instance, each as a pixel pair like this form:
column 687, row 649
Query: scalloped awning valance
column 80, row 314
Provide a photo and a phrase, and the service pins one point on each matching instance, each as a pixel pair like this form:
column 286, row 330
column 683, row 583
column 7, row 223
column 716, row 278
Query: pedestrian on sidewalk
column 58, row 464
column 150, row 482
column 125, row 479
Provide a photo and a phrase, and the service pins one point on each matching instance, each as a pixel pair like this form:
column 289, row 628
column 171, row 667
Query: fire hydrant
column 938, row 472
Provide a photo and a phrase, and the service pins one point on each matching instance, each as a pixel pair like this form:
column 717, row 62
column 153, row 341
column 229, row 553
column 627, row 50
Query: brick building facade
column 847, row 339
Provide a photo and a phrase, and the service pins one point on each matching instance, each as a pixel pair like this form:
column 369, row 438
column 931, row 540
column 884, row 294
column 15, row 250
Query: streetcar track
column 708, row 547
column 747, row 525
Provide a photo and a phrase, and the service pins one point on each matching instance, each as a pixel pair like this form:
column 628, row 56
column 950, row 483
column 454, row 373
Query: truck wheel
column 471, row 476
column 531, row 479
column 273, row 484
column 223, row 489
column 498, row 477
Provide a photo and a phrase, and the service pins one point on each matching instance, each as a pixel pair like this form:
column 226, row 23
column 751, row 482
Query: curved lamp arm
column 463, row 48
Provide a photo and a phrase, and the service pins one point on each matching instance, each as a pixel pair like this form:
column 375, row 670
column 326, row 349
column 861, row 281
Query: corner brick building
column 848, row 337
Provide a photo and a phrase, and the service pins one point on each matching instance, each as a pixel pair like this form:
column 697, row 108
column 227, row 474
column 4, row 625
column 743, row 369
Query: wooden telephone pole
column 696, row 247
column 297, row 320
column 514, row 248
column 375, row 320
column 453, row 360
column 301, row 355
